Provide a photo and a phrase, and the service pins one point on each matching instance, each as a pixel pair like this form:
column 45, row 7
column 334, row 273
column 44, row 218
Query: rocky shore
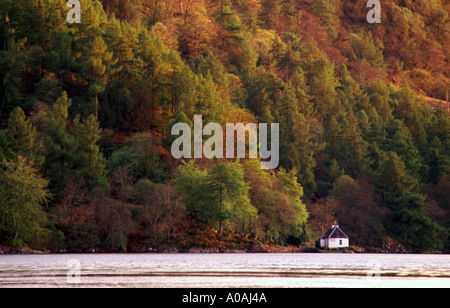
column 387, row 246
column 6, row 250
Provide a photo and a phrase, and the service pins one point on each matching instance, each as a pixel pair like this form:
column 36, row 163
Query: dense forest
column 86, row 111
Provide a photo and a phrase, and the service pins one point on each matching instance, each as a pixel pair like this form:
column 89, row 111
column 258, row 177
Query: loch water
column 297, row 270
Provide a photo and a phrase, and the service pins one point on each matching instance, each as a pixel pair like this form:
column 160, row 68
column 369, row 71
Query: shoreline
column 266, row 249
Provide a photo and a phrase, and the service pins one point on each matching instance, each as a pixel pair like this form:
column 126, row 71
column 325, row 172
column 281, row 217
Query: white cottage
column 334, row 238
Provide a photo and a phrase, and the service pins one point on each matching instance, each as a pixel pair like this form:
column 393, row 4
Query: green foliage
column 72, row 153
column 228, row 194
column 23, row 138
column 88, row 162
column 394, row 180
column 82, row 237
column 326, row 12
column 282, row 214
column 59, row 144
column 407, row 222
column 5, row 148
column 12, row 64
column 190, row 180
column 23, row 192
column 219, row 197
column 357, row 134
column 141, row 157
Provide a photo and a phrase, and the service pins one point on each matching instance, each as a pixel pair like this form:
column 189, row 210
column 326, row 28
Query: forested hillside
column 86, row 111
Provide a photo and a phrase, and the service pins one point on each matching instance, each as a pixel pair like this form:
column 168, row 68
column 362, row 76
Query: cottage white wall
column 322, row 243
column 334, row 243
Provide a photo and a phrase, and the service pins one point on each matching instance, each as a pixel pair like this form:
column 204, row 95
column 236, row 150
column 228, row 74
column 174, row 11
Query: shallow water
column 225, row 270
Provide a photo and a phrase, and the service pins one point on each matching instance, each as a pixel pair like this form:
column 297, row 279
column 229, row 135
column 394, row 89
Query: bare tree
column 186, row 7
column 322, row 213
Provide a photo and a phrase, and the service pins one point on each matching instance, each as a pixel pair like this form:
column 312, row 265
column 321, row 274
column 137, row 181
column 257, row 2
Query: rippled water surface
column 225, row 270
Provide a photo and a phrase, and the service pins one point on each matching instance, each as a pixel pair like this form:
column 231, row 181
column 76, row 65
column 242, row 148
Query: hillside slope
column 87, row 110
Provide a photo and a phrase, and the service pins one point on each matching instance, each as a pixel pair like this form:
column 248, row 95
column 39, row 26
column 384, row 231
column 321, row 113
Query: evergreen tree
column 61, row 58
column 270, row 13
column 88, row 162
column 22, row 137
column 180, row 118
column 407, row 222
column 5, row 147
column 355, row 146
column 326, row 12
column 98, row 61
column 399, row 140
column 95, row 61
column 230, row 35
column 22, row 193
column 12, row 63
column 294, row 191
column 438, row 162
column 322, row 82
column 59, row 145
column 393, row 180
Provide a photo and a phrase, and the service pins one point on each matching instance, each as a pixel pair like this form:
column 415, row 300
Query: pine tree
column 438, row 162
column 230, row 35
column 408, row 221
column 334, row 137
column 393, row 180
column 294, row 192
column 5, row 147
column 99, row 59
column 322, row 81
column 400, row 141
column 23, row 137
column 208, row 103
column 96, row 60
column 61, row 58
column 354, row 147
column 59, row 145
column 12, row 63
column 270, row 13
column 22, row 193
column 180, row 118
column 4, row 27
column 326, row 12
column 88, row 162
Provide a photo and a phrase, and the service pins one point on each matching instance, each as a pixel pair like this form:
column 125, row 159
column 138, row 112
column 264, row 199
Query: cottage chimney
column 335, row 224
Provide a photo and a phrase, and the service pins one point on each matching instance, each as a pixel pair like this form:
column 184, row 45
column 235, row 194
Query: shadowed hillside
column 86, row 112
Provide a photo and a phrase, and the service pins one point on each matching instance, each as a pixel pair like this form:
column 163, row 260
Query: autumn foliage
column 86, row 111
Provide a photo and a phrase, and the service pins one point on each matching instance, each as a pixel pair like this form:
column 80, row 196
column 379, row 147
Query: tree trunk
column 220, row 213
column 3, row 104
column 96, row 105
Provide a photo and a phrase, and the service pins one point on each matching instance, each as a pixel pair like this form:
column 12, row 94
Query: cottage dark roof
column 334, row 232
